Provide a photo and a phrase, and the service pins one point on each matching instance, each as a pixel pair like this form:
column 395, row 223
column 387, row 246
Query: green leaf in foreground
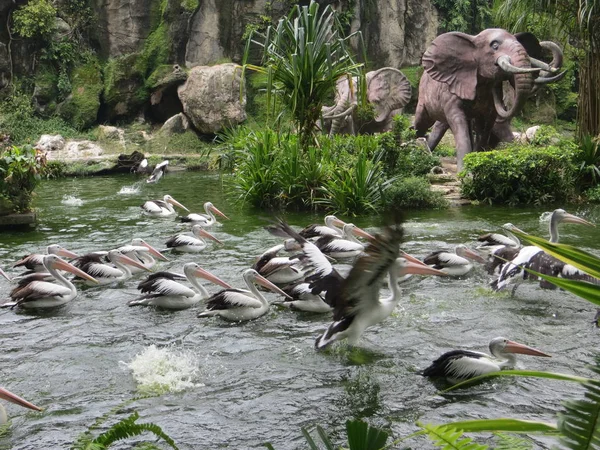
column 361, row 436
column 510, row 425
column 449, row 438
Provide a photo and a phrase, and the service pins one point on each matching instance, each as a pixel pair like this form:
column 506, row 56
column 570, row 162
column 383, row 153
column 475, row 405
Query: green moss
column 46, row 80
column 81, row 107
column 190, row 5
column 155, row 52
column 123, row 85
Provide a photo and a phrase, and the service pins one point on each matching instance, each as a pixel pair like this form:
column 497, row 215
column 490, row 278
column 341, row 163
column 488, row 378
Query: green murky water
column 239, row 385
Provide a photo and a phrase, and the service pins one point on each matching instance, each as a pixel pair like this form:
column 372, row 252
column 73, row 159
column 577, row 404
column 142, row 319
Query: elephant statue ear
column 451, row 59
column 530, row 43
column 387, row 89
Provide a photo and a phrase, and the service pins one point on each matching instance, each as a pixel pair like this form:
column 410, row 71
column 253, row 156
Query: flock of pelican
column 304, row 277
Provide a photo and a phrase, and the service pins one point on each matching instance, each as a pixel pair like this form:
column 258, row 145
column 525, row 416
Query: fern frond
column 449, row 438
column 362, row 436
column 580, row 423
column 511, row 442
column 127, row 428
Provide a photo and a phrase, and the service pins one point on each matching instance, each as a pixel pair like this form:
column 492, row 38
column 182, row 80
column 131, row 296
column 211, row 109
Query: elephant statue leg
column 501, row 132
column 461, row 129
column 436, row 135
column 422, row 121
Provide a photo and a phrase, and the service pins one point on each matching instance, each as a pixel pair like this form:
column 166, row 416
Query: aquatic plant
column 21, row 169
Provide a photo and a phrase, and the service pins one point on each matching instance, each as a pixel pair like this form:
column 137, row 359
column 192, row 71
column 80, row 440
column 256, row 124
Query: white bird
column 142, row 166
column 536, row 259
column 35, row 260
column 346, row 246
column 161, row 208
column 332, row 227
column 104, row 273
column 455, row 263
column 10, row 397
column 161, row 289
column 239, row 304
column 302, row 299
column 191, row 244
column 207, row 219
column 279, row 269
column 491, row 242
column 36, row 293
column 139, row 250
column 459, row 365
column 158, row 172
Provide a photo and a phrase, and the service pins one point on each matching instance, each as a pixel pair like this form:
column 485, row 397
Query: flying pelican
column 161, row 289
column 207, row 219
column 454, row 264
column 239, row 304
column 161, row 208
column 9, row 396
column 158, row 172
column 35, row 260
column 191, row 244
column 458, row 365
column 43, row 294
column 279, row 269
column 103, row 273
column 343, row 247
column 534, row 257
column 302, row 299
column 139, row 250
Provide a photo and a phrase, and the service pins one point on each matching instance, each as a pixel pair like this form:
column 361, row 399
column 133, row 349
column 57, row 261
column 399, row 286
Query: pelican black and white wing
column 500, row 257
column 442, row 258
column 460, row 364
column 147, row 284
column 232, row 298
column 31, row 262
column 180, row 240
column 512, row 271
column 495, row 239
column 317, row 230
column 155, row 206
column 165, row 286
column 37, row 290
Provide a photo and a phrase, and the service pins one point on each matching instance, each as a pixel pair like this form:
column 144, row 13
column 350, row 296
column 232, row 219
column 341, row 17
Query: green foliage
column 414, row 159
column 547, row 135
column 588, row 161
column 511, row 442
column 444, row 150
column 593, row 194
column 155, row 52
column 361, row 436
column 190, row 5
column 412, row 193
column 21, row 169
column 402, row 128
column 34, row 19
column 449, row 438
column 81, row 108
column 468, row 16
column 520, row 174
column 117, row 71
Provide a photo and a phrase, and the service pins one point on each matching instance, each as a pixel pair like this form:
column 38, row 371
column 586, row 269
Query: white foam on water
column 71, row 200
column 129, row 190
column 165, row 369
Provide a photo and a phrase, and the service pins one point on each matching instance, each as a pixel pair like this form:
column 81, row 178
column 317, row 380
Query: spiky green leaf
column 362, row 436
column 510, row 442
column 449, row 438
column 510, row 425
column 580, row 423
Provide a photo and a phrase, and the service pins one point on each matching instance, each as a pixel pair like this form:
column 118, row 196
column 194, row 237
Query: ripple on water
column 71, row 200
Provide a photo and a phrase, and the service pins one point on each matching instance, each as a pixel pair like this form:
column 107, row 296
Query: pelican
column 491, row 242
column 454, row 264
column 158, row 172
column 161, row 289
column 141, row 251
column 332, row 227
column 279, row 269
column 207, row 219
column 458, row 365
column 535, row 258
column 103, row 273
column 37, row 293
column 343, row 247
column 10, row 397
column 142, row 167
column 238, row 304
column 35, row 260
column 161, row 208
column 191, row 244
column 302, row 299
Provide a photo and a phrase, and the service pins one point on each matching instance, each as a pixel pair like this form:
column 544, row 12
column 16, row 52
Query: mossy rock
column 45, row 92
column 81, row 106
column 124, row 89
column 165, row 75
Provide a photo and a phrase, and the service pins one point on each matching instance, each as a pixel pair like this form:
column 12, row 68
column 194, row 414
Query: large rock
column 76, row 150
column 211, row 97
column 81, row 107
column 50, row 143
column 176, row 125
column 124, row 88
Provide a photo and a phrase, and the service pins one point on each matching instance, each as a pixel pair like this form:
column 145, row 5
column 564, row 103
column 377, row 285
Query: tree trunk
column 588, row 104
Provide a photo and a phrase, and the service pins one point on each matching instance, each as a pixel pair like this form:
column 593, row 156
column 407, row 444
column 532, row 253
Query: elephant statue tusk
column 557, row 53
column 505, row 64
column 542, row 65
column 546, row 80
column 342, row 114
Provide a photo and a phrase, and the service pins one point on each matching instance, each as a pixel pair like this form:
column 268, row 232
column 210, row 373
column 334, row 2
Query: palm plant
column 589, row 166
column 303, row 56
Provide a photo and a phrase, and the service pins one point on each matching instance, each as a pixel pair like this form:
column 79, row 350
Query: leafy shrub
column 402, row 129
column 21, row 169
column 547, row 135
column 588, row 161
column 444, row 150
column 35, row 19
column 520, row 174
column 593, row 194
column 412, row 193
column 415, row 160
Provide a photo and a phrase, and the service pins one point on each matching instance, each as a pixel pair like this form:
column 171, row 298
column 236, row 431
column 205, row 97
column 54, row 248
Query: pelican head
column 350, row 228
column 511, row 227
column 117, row 256
column 56, row 249
column 501, row 347
column 195, row 270
column 167, row 198
column 560, row 215
column 332, row 222
column 208, row 206
column 252, row 276
column 465, row 252
column 407, row 267
column 198, row 231
column 291, row 245
column 142, row 243
column 53, row 263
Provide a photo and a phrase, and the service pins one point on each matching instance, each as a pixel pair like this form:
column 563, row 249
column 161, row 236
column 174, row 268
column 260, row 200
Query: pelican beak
column 206, row 234
column 420, row 269
column 216, row 211
column 411, row 258
column 474, row 256
column 338, row 223
column 132, row 262
column 212, row 278
column 63, row 265
column 363, row 234
column 154, row 252
column 9, row 396
column 267, row 284
column 515, row 347
column 66, row 253
column 4, row 274
column 513, row 228
column 570, row 218
column 176, row 203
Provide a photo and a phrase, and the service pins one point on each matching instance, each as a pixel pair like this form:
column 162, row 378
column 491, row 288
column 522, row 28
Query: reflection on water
column 244, row 384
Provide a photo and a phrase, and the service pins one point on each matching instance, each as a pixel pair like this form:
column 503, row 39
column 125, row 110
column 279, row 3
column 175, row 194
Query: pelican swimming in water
column 459, row 365
column 302, row 299
column 207, row 219
column 158, row 172
column 162, row 289
column 161, row 208
column 279, row 269
column 343, row 247
column 455, row 263
column 139, row 250
column 238, row 304
column 93, row 264
column 35, row 263
column 191, row 244
column 37, row 293
column 10, row 397
column 332, row 227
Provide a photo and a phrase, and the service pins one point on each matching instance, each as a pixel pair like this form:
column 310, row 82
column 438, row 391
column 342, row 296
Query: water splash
column 130, row 190
column 166, row 369
column 545, row 216
column 71, row 200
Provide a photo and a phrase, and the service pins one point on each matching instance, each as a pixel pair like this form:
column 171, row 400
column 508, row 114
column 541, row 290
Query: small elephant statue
column 388, row 91
column 461, row 87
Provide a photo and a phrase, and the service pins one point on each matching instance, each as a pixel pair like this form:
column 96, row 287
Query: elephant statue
column 461, row 87
column 388, row 91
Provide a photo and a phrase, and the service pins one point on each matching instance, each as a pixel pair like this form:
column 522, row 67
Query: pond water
column 240, row 385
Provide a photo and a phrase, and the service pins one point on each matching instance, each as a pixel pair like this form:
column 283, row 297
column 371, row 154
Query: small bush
column 34, row 19
column 21, row 169
column 402, row 129
column 593, row 194
column 444, row 150
column 547, row 135
column 415, row 160
column 520, row 174
column 412, row 193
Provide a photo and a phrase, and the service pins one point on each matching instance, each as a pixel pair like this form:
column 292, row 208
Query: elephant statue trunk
column 522, row 73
